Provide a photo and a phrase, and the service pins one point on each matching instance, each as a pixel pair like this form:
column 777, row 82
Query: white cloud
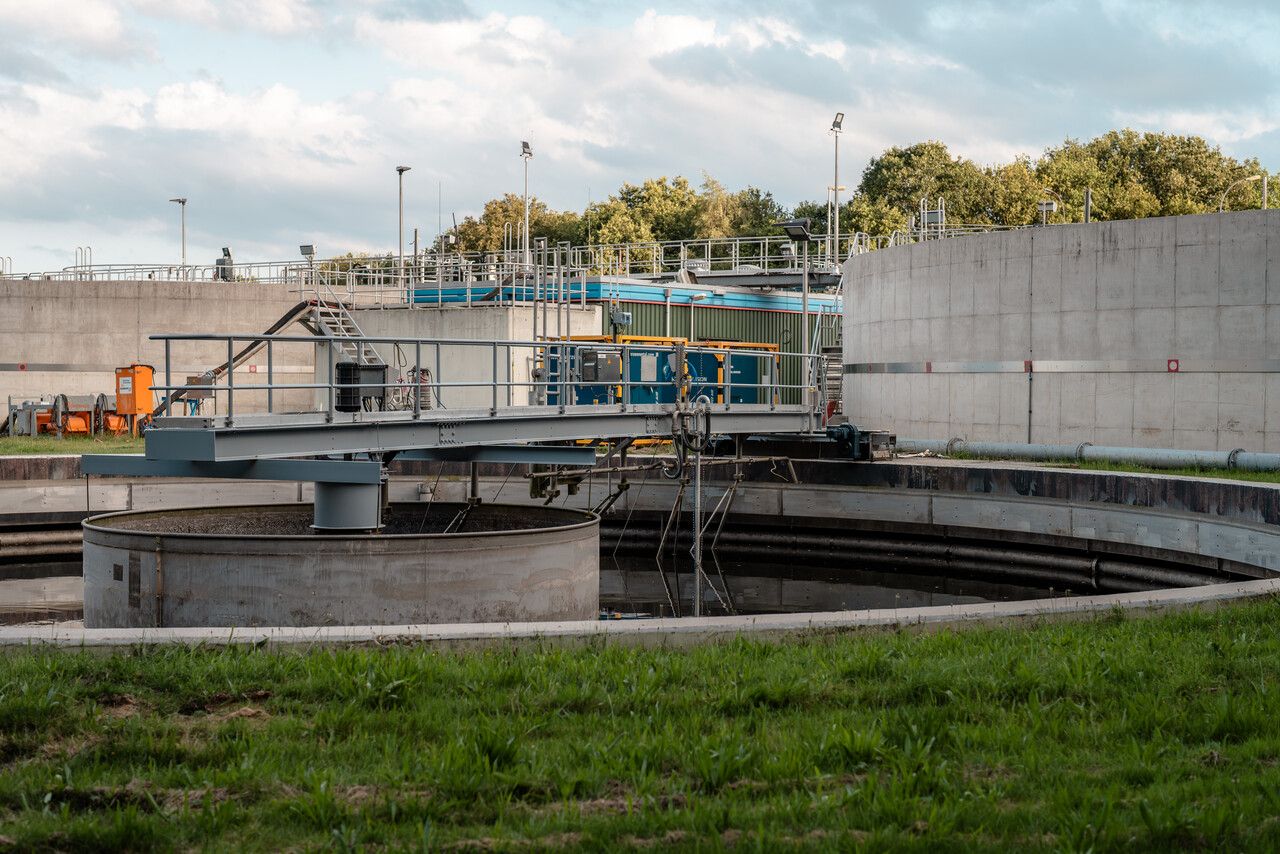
column 94, row 25
column 278, row 17
column 46, row 125
column 309, row 146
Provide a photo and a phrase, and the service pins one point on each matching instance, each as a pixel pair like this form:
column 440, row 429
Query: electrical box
column 619, row 317
column 133, row 390
column 599, row 366
column 360, row 386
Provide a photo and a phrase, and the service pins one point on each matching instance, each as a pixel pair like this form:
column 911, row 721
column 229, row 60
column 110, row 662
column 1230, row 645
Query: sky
column 282, row 121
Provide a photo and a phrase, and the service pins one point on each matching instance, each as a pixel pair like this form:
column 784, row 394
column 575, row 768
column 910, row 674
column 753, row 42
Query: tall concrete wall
column 68, row 337
column 1161, row 332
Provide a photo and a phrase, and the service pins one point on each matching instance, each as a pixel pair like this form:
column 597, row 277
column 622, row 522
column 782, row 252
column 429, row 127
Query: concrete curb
column 657, row 632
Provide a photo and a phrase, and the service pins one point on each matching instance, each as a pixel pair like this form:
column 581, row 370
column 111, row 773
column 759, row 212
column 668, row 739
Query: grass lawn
column 1228, row 474
column 12, row 445
column 1119, row 733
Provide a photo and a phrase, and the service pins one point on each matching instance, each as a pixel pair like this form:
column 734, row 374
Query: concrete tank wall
column 1162, row 332
column 68, row 337
column 136, row 574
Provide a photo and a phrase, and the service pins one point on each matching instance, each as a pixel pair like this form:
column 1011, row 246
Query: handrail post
column 168, row 381
column 270, row 376
column 437, row 372
column 493, row 404
column 626, row 376
column 728, row 377
column 417, row 379
column 231, row 379
column 328, row 357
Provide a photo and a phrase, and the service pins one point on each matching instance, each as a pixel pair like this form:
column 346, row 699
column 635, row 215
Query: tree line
column 1131, row 175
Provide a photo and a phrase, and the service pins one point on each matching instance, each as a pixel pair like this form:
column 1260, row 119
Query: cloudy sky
column 283, row 120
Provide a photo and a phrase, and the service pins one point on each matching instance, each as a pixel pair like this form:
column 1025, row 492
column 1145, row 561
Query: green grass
column 1228, row 474
column 1119, row 733
column 32, row 445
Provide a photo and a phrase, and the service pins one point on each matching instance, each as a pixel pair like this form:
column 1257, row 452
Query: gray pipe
column 1158, row 458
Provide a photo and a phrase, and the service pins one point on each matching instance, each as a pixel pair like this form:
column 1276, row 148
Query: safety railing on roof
column 384, row 275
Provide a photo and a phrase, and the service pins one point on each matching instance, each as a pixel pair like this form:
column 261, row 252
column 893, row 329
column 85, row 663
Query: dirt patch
column 240, row 714
column 119, row 705
column 219, row 699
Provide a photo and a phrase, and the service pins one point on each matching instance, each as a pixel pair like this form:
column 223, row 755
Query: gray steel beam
column 323, row 471
column 569, row 455
column 319, row 439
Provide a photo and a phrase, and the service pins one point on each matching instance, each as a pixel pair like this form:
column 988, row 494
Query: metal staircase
column 330, row 317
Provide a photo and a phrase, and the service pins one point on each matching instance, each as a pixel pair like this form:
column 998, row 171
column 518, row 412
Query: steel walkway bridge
column 544, row 402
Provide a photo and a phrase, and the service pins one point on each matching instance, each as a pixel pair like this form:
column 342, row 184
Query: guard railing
column 433, row 373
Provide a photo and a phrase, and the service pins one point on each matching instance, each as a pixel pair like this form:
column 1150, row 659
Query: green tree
column 716, row 209
column 669, row 207
column 755, row 212
column 614, row 222
column 485, row 233
column 901, row 177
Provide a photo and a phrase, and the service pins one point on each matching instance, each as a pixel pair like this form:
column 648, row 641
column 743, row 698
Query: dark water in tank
column 633, row 585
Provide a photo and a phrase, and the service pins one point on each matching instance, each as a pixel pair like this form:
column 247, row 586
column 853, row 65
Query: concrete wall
column 68, row 337
column 1162, row 332
column 460, row 363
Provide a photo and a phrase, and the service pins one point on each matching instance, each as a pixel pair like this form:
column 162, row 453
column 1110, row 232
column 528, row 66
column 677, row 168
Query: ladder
column 331, row 317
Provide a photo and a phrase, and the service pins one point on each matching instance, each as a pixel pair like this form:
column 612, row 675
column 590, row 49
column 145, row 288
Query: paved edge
column 656, row 632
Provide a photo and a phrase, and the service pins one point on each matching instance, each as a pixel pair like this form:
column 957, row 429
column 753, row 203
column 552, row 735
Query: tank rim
column 93, row 523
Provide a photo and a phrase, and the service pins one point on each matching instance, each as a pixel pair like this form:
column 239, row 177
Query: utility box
column 361, row 387
column 133, row 390
column 601, row 366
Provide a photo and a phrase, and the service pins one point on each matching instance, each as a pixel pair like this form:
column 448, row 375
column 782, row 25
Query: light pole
column 182, row 217
column 400, row 170
column 798, row 230
column 835, row 131
column 1223, row 198
column 1045, row 210
column 527, row 154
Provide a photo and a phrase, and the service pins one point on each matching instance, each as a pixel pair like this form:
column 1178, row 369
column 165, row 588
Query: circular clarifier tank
column 264, row 566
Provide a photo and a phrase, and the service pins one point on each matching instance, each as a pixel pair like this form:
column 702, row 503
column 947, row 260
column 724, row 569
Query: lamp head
column 180, row 200
column 403, row 169
column 796, row 229
column 525, row 150
column 837, row 122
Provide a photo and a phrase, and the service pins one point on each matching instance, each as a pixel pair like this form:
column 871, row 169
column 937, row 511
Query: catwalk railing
column 424, row 376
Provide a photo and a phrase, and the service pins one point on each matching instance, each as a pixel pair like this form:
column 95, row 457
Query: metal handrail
column 652, row 258
column 542, row 352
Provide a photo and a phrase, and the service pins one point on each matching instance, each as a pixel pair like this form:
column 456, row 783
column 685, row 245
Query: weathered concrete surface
column 1125, row 297
column 69, row 337
column 138, row 577
column 659, row 632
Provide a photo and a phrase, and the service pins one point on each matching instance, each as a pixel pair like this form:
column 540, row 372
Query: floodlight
column 525, row 150
column 796, row 229
column 839, row 120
